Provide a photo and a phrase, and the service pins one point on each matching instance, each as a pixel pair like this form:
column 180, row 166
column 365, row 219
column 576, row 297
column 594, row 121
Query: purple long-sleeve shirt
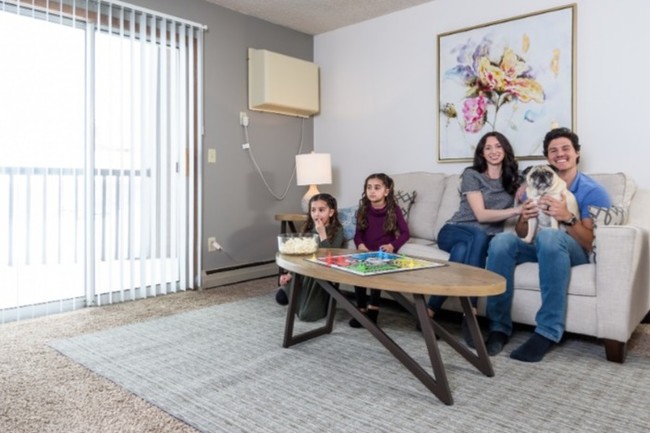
column 375, row 236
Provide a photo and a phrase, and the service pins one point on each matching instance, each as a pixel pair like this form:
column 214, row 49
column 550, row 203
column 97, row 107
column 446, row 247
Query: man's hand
column 557, row 208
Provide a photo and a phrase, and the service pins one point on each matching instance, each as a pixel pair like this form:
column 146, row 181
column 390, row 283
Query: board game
column 373, row 263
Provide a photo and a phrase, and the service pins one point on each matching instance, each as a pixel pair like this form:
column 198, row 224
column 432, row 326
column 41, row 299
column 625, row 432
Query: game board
column 373, row 263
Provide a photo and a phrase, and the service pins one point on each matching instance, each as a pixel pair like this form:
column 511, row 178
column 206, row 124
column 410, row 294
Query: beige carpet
column 43, row 391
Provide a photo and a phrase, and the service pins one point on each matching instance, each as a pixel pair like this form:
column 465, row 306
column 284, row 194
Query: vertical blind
column 143, row 130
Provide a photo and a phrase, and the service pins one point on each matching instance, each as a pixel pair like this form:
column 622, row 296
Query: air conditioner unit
column 282, row 84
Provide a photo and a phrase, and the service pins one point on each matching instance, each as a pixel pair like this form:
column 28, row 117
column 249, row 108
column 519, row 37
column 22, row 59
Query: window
column 96, row 186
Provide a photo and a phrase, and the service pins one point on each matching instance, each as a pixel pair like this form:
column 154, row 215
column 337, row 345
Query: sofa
column 608, row 297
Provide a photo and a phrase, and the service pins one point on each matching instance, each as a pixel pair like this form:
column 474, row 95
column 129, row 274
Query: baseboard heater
column 237, row 274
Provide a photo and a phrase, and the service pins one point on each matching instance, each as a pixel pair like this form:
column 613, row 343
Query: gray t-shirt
column 494, row 197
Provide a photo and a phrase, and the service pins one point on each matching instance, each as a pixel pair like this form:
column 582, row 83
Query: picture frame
column 515, row 76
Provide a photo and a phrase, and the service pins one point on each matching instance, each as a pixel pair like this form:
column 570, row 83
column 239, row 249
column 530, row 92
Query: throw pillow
column 348, row 218
column 405, row 200
column 605, row 216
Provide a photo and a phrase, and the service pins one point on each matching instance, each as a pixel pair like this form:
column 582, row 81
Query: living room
column 378, row 93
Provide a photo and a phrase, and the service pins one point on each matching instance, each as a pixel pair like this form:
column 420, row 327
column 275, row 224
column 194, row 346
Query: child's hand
column 362, row 247
column 284, row 279
column 388, row 248
column 320, row 229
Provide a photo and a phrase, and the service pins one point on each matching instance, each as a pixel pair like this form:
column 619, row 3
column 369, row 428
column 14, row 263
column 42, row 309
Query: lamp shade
column 313, row 169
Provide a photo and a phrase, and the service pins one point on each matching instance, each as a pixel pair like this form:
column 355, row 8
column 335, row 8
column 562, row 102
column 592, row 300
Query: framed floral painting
column 515, row 76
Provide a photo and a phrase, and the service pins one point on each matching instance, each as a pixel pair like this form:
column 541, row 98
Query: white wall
column 378, row 88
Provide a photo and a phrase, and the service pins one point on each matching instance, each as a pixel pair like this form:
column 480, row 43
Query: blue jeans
column 466, row 244
column 556, row 252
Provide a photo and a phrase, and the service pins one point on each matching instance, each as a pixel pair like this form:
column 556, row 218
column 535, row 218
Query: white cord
column 259, row 171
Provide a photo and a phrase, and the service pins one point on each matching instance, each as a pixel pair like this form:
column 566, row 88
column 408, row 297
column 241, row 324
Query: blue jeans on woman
column 466, row 244
column 556, row 252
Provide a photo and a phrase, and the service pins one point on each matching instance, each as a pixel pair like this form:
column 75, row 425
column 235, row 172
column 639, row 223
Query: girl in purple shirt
column 380, row 227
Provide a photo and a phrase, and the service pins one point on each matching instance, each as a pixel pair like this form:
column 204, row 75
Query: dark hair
column 390, row 222
column 562, row 132
column 510, row 178
column 334, row 224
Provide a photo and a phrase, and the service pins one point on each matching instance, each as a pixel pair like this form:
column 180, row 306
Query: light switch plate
column 212, row 156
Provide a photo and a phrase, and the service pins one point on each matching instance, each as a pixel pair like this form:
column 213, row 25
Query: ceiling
column 316, row 16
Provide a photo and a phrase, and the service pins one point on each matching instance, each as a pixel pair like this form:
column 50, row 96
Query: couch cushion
column 583, row 278
column 449, row 204
column 604, row 216
column 423, row 248
column 405, row 200
column 348, row 218
column 607, row 216
column 621, row 188
column 429, row 187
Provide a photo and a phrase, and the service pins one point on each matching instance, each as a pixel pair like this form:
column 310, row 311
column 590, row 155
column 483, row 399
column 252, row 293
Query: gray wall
column 237, row 208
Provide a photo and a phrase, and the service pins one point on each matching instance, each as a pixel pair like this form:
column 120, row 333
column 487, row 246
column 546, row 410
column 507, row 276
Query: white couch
column 607, row 299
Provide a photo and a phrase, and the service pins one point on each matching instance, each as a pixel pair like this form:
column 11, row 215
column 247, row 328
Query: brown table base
column 437, row 383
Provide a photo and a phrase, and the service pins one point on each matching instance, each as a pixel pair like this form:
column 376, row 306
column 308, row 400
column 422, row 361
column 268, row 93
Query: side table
column 288, row 220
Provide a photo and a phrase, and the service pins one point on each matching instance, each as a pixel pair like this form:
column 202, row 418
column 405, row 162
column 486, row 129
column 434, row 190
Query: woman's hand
column 388, row 248
column 362, row 247
column 529, row 210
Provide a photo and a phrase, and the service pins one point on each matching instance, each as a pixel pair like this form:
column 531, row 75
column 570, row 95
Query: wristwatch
column 572, row 221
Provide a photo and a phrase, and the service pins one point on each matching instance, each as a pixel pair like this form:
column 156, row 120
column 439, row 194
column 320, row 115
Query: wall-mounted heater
column 282, row 84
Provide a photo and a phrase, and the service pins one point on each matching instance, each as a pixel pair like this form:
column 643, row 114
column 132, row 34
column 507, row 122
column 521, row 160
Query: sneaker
column 495, row 342
column 371, row 314
column 354, row 323
column 281, row 297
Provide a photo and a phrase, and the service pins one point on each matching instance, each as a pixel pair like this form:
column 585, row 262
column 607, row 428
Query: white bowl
column 297, row 244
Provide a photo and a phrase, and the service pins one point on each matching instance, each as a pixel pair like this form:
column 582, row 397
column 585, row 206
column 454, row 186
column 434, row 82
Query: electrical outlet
column 211, row 244
column 243, row 118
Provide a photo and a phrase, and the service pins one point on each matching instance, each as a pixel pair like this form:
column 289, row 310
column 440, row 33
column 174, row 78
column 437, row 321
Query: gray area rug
column 222, row 369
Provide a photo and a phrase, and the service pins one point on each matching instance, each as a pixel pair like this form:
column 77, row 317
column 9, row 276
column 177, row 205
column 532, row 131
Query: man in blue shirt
column 556, row 251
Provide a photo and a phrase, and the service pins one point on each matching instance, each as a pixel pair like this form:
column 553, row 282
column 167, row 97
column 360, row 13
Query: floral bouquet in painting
column 515, row 76
column 493, row 76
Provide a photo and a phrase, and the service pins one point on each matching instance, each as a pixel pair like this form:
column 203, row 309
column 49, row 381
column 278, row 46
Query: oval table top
column 453, row 279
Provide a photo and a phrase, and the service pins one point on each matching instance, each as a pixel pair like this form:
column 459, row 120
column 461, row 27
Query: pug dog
column 543, row 180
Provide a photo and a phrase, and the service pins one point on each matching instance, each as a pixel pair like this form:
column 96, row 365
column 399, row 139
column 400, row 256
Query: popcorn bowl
column 298, row 244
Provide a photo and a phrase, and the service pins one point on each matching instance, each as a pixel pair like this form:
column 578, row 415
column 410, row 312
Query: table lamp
column 313, row 169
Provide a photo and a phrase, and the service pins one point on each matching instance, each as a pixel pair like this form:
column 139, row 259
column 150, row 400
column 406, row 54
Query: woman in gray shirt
column 487, row 194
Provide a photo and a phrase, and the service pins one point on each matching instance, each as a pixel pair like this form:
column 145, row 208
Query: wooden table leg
column 289, row 338
column 439, row 385
column 480, row 359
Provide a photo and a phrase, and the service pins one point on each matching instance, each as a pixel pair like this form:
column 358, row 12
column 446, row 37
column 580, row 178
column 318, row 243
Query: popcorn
column 298, row 244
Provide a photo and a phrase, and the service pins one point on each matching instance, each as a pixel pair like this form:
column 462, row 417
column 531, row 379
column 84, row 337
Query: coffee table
column 454, row 279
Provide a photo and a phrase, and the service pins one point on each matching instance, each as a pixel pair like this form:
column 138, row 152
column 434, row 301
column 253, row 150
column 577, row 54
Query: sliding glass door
column 41, row 168
column 97, row 178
